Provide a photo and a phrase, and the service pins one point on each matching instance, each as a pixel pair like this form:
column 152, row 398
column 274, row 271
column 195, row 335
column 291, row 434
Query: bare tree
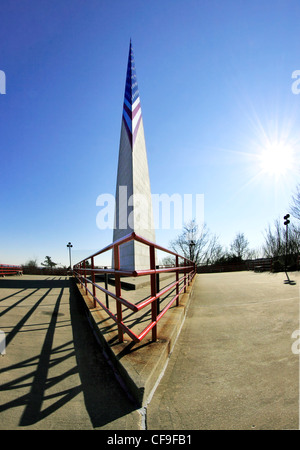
column 197, row 243
column 48, row 262
column 278, row 243
column 30, row 266
column 274, row 244
column 295, row 207
column 240, row 246
column 283, row 243
column 168, row 261
column 215, row 250
column 31, row 263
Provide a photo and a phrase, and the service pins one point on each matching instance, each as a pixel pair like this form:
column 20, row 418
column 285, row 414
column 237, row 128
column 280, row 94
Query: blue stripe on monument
column 127, row 120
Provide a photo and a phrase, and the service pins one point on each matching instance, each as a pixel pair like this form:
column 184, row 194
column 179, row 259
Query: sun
column 276, row 159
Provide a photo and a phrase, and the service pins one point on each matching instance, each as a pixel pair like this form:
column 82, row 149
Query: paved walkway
column 232, row 366
column 53, row 375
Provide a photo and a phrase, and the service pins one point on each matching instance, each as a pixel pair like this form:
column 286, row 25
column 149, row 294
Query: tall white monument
column 134, row 210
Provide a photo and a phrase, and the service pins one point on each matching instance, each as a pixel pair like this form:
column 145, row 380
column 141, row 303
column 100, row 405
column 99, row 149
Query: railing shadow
column 105, row 399
column 35, row 389
column 23, row 283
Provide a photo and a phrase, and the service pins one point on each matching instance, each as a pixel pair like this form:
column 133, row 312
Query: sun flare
column 276, row 159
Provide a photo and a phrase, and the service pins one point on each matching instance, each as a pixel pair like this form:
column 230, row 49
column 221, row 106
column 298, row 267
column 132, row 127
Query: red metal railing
column 85, row 271
column 8, row 269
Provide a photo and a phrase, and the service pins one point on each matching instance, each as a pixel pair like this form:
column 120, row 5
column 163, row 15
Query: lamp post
column 286, row 223
column 192, row 246
column 70, row 245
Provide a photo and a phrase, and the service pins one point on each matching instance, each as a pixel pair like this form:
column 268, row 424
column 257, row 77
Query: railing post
column 106, row 287
column 85, row 283
column 153, row 292
column 116, row 251
column 93, row 280
column 177, row 280
column 185, row 282
column 157, row 289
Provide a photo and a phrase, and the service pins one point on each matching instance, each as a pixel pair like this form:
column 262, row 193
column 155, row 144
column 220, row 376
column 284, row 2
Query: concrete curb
column 137, row 367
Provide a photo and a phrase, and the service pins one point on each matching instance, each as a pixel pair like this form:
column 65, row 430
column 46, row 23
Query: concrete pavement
column 54, row 375
column 231, row 368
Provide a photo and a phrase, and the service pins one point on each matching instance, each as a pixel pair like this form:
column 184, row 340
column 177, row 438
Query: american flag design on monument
column 133, row 204
column 132, row 113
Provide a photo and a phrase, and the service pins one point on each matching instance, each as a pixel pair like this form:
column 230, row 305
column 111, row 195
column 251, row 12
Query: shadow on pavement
column 49, row 282
column 104, row 399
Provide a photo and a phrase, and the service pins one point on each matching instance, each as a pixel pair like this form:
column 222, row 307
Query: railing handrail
column 10, row 265
column 138, row 238
column 136, row 273
column 82, row 273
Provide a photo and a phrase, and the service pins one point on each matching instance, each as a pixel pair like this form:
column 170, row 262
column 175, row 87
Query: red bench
column 9, row 269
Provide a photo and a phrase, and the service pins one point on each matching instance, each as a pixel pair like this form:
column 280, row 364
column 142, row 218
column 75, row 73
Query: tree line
column 49, row 267
column 200, row 245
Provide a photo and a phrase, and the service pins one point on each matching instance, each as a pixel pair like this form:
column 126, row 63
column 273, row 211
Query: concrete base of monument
column 138, row 366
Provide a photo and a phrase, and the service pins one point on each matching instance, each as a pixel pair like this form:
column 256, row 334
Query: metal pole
column 85, row 282
column 185, row 272
column 157, row 290
column 93, row 280
column 286, row 223
column 106, row 287
column 153, row 292
column 70, row 245
column 118, row 292
column 177, row 279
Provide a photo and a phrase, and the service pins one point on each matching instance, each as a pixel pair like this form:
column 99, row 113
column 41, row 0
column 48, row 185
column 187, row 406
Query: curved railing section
column 184, row 270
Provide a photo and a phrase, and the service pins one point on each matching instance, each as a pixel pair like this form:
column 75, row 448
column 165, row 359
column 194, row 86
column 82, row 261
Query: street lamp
column 70, row 245
column 192, row 246
column 286, row 223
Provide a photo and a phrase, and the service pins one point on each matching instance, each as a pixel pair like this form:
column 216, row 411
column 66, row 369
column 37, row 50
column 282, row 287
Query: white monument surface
column 134, row 210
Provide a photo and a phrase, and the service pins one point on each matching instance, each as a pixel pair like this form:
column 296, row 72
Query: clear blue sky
column 215, row 82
